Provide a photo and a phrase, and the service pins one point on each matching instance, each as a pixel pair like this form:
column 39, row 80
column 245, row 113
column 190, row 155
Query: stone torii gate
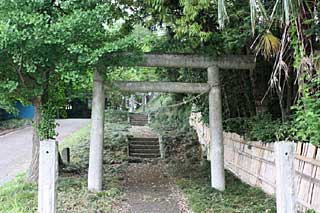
column 213, row 65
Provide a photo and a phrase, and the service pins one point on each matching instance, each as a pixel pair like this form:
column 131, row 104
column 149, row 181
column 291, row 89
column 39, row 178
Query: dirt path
column 15, row 151
column 142, row 132
column 147, row 187
column 149, row 190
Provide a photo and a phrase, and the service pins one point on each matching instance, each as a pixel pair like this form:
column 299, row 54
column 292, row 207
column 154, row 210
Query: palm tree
column 294, row 53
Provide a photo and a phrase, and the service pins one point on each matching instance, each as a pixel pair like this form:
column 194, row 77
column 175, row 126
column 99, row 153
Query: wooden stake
column 48, row 175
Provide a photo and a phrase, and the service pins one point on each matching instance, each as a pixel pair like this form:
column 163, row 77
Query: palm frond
column 268, row 45
column 286, row 9
column 253, row 14
column 222, row 13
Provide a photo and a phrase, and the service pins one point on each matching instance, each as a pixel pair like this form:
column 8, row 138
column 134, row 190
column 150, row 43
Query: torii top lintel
column 198, row 61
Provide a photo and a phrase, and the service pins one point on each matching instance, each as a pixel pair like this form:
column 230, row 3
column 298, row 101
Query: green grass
column 192, row 179
column 17, row 196
column 238, row 197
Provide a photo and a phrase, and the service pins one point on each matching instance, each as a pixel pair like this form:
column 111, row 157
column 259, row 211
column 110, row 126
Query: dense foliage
column 48, row 46
column 285, row 37
column 307, row 113
column 49, row 50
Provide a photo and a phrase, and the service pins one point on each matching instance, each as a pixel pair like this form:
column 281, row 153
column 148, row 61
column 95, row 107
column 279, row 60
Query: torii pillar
column 176, row 61
column 216, row 131
column 95, row 173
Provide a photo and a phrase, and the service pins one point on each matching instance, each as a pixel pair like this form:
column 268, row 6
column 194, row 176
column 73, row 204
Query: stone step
column 144, row 143
column 138, row 117
column 143, row 139
column 144, row 146
column 138, row 120
column 145, row 151
column 138, row 124
column 144, row 155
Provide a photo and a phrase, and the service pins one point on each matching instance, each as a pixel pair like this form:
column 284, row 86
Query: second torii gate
column 213, row 65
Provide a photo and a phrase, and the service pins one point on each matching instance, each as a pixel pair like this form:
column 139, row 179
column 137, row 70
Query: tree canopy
column 48, row 47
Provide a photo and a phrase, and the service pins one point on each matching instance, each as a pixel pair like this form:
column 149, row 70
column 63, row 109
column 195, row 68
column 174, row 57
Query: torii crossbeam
column 212, row 64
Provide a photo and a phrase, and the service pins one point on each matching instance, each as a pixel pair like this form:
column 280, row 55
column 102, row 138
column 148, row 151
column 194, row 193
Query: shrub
column 307, row 114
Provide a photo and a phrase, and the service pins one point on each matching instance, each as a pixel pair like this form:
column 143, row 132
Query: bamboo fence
column 253, row 162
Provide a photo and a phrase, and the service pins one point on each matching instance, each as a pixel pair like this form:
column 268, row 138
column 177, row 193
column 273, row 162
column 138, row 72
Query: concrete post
column 144, row 102
column 48, row 175
column 65, row 154
column 285, row 191
column 216, row 132
column 132, row 103
column 162, row 148
column 95, row 173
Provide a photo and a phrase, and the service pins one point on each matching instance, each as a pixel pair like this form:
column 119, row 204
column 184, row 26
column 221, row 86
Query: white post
column 285, row 191
column 216, row 132
column 144, row 102
column 162, row 148
column 131, row 103
column 48, row 175
column 95, row 173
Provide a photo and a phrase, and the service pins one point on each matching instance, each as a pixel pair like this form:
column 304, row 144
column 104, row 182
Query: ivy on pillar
column 216, row 131
column 95, row 174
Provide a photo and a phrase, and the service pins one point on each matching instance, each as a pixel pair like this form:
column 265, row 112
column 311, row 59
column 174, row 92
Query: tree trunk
column 33, row 172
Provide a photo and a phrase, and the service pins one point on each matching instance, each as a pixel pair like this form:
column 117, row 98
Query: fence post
column 285, row 191
column 48, row 174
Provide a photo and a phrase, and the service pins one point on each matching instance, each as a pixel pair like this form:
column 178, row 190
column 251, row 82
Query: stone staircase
column 143, row 147
column 138, row 119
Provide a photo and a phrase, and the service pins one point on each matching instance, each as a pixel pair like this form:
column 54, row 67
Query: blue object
column 25, row 112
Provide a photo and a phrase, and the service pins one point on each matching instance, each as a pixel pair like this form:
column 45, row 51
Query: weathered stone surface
column 175, row 87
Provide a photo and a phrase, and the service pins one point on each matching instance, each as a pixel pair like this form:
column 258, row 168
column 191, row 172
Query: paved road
column 15, row 147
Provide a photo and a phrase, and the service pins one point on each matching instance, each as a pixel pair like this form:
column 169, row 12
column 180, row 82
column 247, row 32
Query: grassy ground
column 194, row 181
column 19, row 196
column 238, row 197
column 191, row 177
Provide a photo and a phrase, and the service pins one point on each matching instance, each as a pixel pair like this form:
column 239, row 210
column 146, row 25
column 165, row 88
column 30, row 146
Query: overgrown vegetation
column 73, row 196
column 164, row 110
column 238, row 197
column 307, row 113
column 260, row 127
column 186, row 165
column 14, row 123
